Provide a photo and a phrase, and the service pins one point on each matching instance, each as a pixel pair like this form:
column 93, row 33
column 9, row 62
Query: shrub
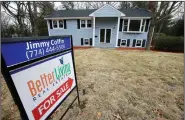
column 169, row 43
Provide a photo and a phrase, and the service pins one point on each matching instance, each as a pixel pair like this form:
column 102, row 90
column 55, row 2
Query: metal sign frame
column 9, row 81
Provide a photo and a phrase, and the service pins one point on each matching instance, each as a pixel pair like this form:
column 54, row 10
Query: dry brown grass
column 122, row 85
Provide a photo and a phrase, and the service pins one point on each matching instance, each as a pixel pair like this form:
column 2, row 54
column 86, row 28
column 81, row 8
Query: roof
column 140, row 12
column 71, row 13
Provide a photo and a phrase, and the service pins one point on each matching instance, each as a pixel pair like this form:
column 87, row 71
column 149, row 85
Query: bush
column 169, row 43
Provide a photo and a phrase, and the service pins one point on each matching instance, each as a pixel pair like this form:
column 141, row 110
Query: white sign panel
column 43, row 85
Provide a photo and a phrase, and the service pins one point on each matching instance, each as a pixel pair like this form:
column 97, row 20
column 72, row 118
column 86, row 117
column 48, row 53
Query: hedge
column 169, row 43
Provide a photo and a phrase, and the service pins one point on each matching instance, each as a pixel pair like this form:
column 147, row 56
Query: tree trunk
column 150, row 36
column 35, row 18
column 160, row 27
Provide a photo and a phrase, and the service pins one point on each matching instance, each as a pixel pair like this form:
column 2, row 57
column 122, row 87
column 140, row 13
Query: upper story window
column 55, row 25
column 135, row 25
column 86, row 23
column 83, row 24
column 89, row 23
column 58, row 24
column 61, row 23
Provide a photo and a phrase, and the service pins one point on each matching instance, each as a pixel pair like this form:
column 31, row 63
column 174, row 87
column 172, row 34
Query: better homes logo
column 47, row 80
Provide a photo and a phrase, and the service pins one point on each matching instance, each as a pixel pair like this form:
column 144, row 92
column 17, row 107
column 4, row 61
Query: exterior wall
column 72, row 29
column 107, row 11
column 132, row 36
column 103, row 22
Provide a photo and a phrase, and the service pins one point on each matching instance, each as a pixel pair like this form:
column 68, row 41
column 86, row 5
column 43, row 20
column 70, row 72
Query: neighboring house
column 104, row 27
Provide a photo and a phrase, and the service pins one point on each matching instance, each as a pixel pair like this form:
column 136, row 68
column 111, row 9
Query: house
column 103, row 27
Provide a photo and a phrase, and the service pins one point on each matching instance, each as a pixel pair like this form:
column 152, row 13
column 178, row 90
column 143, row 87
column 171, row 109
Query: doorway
column 105, row 35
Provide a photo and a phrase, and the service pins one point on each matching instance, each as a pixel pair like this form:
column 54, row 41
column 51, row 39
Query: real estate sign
column 44, row 83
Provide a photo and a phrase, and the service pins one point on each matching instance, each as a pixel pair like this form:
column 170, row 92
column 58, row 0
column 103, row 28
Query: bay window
column 135, row 25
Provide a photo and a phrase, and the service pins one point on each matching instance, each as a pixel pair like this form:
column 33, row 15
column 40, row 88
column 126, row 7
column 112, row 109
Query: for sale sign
column 44, row 84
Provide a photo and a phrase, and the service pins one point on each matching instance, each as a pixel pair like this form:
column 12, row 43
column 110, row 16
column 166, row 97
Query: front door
column 105, row 35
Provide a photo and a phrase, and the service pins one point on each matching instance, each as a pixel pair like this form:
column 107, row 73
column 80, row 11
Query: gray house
column 103, row 27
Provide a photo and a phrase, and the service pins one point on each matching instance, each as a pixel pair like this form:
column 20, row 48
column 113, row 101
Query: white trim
column 133, row 32
column 144, row 25
column 48, row 24
column 57, row 18
column 93, row 31
column 117, row 31
column 141, row 23
column 92, row 14
column 125, row 43
column 141, row 42
column 123, row 25
column 148, row 25
column 105, row 35
column 135, row 17
column 128, row 25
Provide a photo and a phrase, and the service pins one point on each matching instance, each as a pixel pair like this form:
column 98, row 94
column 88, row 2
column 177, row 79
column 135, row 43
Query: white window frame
column 128, row 25
column 105, row 35
column 84, row 41
column 141, row 43
column 123, row 25
column 53, row 24
column 58, row 24
column 125, row 43
column 85, row 24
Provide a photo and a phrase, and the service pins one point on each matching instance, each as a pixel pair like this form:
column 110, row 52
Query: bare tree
column 18, row 14
column 159, row 12
column 5, row 23
column 97, row 5
column 68, row 5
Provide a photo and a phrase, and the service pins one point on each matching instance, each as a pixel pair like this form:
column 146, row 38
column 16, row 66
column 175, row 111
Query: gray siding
column 74, row 31
column 132, row 36
column 107, row 11
column 106, row 23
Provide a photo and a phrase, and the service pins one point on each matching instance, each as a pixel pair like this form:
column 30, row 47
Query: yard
column 121, row 85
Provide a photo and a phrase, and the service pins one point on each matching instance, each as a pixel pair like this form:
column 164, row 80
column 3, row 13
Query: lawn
column 121, row 85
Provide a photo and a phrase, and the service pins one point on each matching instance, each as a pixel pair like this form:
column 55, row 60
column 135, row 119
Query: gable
column 107, row 11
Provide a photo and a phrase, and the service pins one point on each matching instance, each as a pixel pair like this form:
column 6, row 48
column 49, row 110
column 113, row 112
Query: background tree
column 17, row 12
column 160, row 11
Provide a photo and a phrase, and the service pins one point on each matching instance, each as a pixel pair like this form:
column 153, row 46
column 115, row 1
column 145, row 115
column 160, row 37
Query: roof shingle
column 85, row 13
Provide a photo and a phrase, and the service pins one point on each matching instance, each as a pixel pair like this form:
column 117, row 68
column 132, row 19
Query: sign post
column 40, row 73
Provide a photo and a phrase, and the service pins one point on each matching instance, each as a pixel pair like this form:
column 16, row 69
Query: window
column 147, row 25
column 82, row 23
column 86, row 23
column 86, row 41
column 138, row 43
column 125, row 25
column 123, row 43
column 143, row 25
column 134, row 25
column 55, row 25
column 61, row 24
column 89, row 23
